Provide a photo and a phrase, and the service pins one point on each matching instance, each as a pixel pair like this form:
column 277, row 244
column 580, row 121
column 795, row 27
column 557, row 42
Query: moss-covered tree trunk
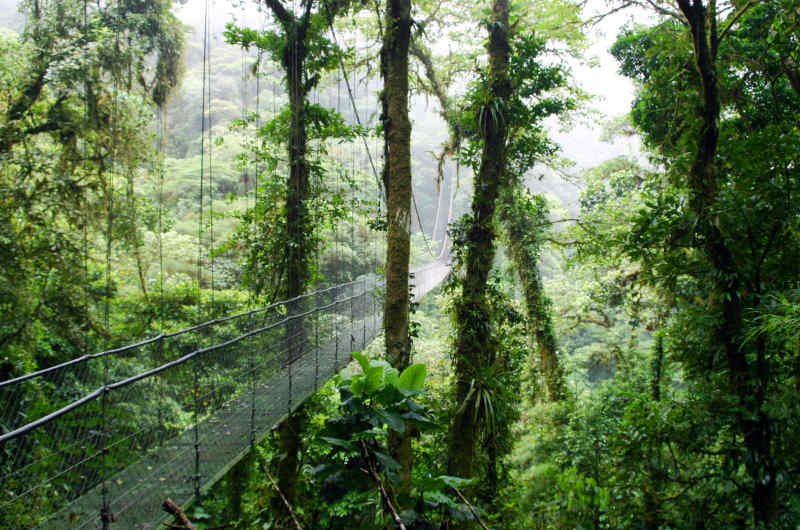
column 298, row 253
column 474, row 345
column 298, row 233
column 397, row 182
column 298, row 229
column 522, row 220
column 747, row 369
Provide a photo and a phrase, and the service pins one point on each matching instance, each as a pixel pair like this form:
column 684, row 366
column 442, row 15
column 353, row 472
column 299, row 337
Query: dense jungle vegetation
column 617, row 346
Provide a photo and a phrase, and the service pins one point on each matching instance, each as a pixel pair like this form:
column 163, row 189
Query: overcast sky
column 613, row 93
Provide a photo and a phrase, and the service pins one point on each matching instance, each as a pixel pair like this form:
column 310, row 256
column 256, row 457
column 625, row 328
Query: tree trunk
column 652, row 504
column 298, row 190
column 397, row 182
column 237, row 480
column 748, row 387
column 522, row 233
column 133, row 234
column 287, row 462
column 474, row 346
column 298, row 251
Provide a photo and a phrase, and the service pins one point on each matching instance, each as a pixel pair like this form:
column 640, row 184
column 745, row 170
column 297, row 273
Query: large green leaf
column 362, row 360
column 394, row 421
column 344, row 444
column 374, row 379
column 412, row 379
column 387, row 461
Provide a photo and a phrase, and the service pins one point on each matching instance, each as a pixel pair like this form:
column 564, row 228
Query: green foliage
column 682, row 449
column 535, row 95
column 299, row 186
column 373, row 401
column 73, row 122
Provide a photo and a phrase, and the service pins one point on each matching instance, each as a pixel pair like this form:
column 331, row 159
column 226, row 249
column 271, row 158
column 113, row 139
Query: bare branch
column 283, row 498
column 175, row 510
column 374, row 476
column 471, row 508
column 735, row 18
column 596, row 19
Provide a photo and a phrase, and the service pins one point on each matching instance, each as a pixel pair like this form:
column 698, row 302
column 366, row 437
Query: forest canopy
column 603, row 345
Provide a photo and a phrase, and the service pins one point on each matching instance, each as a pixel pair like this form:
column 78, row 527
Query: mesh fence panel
column 117, row 442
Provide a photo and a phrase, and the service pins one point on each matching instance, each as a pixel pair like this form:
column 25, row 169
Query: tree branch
column 792, row 72
column 175, row 510
column 735, row 17
column 374, row 476
column 280, row 12
column 471, row 508
column 283, row 498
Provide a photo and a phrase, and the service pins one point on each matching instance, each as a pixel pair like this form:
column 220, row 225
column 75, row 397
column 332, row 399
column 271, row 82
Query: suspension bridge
column 127, row 441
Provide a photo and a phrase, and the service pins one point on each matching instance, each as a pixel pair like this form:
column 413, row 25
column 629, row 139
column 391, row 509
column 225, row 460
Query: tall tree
column 300, row 46
column 722, row 216
column 524, row 220
column 397, row 183
column 473, row 344
column 745, row 375
column 503, row 126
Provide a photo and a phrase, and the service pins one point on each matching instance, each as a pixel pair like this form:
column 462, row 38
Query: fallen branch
column 175, row 510
column 371, row 473
column 471, row 508
column 283, row 498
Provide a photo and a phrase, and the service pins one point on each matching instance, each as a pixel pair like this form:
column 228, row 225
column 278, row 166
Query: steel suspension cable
column 353, row 103
column 210, row 170
column 162, row 126
column 85, row 236
column 369, row 155
column 202, row 157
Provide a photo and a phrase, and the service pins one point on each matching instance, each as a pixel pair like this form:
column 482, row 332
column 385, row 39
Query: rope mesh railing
column 108, row 456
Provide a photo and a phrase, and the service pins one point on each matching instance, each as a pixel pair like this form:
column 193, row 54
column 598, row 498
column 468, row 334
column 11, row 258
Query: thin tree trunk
column 287, row 460
column 237, row 481
column 133, row 235
column 652, row 504
column 397, row 182
column 522, row 234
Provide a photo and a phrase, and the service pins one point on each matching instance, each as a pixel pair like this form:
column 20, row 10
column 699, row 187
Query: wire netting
column 89, row 441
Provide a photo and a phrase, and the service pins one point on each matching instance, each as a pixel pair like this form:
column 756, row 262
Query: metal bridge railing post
column 352, row 321
column 315, row 321
column 364, row 317
column 162, row 393
column 374, row 312
column 336, row 334
column 196, row 476
column 105, row 512
column 252, row 368
column 290, row 341
column 289, row 400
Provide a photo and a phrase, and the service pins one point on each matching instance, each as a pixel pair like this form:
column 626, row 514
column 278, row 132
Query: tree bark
column 298, row 231
column 474, row 345
column 397, row 182
column 173, row 509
